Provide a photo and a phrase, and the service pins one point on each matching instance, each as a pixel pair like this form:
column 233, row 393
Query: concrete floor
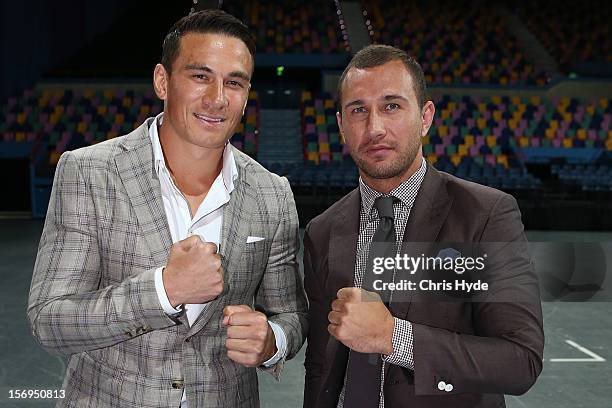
column 24, row 365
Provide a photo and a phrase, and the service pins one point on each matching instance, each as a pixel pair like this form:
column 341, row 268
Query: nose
column 375, row 127
column 215, row 97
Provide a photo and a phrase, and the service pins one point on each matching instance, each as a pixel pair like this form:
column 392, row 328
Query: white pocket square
column 254, row 239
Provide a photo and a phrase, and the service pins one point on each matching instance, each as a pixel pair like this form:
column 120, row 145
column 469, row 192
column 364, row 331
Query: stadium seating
column 455, row 41
column 66, row 119
column 289, row 27
column 573, row 32
column 479, row 139
column 587, row 177
column 320, row 129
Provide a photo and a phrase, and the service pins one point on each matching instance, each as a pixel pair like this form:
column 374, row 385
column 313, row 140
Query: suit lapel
column 343, row 245
column 234, row 232
column 137, row 172
column 344, row 234
column 426, row 218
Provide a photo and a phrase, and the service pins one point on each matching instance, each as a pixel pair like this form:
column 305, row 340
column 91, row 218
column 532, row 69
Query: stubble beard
column 388, row 169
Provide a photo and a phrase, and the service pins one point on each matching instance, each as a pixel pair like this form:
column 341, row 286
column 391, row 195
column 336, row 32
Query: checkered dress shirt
column 368, row 222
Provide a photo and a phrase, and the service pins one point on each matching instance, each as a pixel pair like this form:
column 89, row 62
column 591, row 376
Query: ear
column 245, row 105
column 339, row 120
column 428, row 114
column 160, row 81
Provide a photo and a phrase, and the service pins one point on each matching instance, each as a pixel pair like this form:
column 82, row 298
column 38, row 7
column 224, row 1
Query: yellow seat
column 54, row 157
column 455, row 159
column 443, row 130
column 503, row 160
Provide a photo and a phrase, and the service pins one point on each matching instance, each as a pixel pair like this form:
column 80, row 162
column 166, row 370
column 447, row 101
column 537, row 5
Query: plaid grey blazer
column 93, row 293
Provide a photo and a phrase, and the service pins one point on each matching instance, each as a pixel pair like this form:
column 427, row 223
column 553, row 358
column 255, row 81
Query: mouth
column 379, row 148
column 213, row 120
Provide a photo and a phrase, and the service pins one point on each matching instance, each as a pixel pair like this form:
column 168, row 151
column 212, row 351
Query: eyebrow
column 392, row 97
column 234, row 74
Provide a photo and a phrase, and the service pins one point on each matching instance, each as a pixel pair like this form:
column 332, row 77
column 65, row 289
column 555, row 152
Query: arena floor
column 577, row 370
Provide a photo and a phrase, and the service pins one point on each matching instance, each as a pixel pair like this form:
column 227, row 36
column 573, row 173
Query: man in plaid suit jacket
column 108, row 278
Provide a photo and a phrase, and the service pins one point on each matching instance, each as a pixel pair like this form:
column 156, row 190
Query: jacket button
column 177, row 384
column 442, row 386
column 448, row 388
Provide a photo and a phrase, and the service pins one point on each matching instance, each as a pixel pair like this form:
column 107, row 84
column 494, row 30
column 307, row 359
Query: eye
column 235, row 84
column 200, row 77
column 392, row 106
column 359, row 109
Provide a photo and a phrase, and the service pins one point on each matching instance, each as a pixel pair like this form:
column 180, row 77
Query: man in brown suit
column 412, row 352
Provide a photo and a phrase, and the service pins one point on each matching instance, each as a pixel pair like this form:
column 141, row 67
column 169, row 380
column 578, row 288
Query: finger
column 334, row 317
column 246, row 359
column 333, row 330
column 249, row 318
column 190, row 242
column 231, row 309
column 338, row 305
column 209, row 247
column 242, row 345
column 347, row 293
column 370, row 296
column 245, row 332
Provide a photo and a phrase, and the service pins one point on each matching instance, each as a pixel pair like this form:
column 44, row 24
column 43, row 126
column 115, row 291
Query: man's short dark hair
column 377, row 55
column 205, row 21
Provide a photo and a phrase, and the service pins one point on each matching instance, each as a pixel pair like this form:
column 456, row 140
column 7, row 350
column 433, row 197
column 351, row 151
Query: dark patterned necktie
column 364, row 369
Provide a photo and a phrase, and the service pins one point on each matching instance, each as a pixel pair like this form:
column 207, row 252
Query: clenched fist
column 361, row 321
column 250, row 339
column 193, row 273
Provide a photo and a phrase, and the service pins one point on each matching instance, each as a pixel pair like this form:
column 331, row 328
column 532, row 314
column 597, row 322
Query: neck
column 386, row 185
column 193, row 168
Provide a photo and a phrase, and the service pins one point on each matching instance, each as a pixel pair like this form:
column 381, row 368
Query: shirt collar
column 406, row 192
column 229, row 171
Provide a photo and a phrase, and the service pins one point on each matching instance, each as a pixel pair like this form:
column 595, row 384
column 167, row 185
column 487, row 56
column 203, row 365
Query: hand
column 250, row 339
column 361, row 321
column 193, row 273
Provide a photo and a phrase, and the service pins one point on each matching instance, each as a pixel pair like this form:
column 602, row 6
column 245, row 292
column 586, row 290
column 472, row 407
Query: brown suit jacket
column 484, row 349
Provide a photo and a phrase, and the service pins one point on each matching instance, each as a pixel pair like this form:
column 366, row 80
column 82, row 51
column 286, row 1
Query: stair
column 280, row 136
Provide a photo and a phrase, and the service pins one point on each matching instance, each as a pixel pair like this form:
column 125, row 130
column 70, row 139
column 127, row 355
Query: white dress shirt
column 206, row 223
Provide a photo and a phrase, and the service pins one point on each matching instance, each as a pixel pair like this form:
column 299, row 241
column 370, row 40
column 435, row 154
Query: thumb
column 190, row 242
column 228, row 311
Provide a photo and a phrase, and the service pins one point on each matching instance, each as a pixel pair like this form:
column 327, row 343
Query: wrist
column 270, row 347
column 168, row 287
column 387, row 340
